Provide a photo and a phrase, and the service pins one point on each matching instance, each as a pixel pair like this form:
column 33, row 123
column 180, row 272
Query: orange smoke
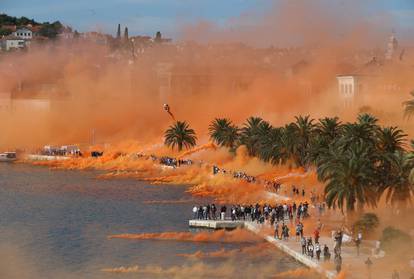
column 258, row 250
column 209, row 145
column 237, row 235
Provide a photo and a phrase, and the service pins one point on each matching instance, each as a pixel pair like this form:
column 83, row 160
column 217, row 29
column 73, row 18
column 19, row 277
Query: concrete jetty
column 216, row 224
column 37, row 157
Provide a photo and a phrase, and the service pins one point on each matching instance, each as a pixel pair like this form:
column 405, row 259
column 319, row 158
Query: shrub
column 367, row 223
column 393, row 238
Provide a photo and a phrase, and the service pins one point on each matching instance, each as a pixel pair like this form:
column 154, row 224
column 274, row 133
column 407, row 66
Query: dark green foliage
column 180, row 135
column 359, row 161
column 50, row 30
column 223, row 132
column 393, row 239
column 251, row 132
column 367, row 223
column 11, row 20
column 5, row 32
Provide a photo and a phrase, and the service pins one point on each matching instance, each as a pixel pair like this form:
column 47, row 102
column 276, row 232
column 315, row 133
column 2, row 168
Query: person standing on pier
column 213, row 211
column 223, row 212
column 195, row 211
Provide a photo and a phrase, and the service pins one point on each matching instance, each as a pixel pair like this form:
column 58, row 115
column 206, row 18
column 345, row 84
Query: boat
column 8, row 157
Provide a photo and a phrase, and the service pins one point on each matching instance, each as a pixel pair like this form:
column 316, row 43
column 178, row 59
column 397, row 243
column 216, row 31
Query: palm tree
column 409, row 106
column 250, row 134
column 304, row 130
column 224, row 132
column 180, row 135
column 391, row 139
column 327, row 132
column 360, row 132
column 400, row 189
column 350, row 178
column 329, row 129
column 270, row 146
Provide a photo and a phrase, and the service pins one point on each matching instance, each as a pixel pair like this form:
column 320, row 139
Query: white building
column 12, row 42
column 23, row 33
column 348, row 86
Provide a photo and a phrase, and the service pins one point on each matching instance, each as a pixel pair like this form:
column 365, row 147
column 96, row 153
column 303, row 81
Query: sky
column 146, row 17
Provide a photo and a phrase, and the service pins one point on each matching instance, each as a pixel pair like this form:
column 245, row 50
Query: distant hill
column 8, row 24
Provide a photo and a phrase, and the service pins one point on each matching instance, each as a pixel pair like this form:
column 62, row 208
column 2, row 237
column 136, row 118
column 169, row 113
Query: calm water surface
column 56, row 223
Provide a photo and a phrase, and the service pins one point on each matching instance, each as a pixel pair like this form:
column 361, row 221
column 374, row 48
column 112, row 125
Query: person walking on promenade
column 303, row 244
column 318, row 251
column 277, row 230
column 310, row 247
column 326, row 253
column 298, row 229
column 369, row 264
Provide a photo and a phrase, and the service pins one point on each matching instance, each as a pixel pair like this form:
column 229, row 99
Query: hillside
column 8, row 24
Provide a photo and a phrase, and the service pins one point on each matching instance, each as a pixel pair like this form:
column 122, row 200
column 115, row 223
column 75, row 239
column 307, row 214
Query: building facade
column 11, row 42
column 23, row 33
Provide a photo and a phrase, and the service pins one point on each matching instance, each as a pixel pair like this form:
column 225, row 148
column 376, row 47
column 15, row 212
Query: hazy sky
column 149, row 16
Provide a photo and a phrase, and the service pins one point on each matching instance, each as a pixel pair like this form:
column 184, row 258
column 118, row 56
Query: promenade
column 353, row 265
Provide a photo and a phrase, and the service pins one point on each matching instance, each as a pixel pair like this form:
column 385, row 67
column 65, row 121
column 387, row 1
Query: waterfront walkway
column 350, row 260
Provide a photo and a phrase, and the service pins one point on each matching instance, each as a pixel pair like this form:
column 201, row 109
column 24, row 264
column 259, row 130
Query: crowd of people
column 257, row 213
column 270, row 185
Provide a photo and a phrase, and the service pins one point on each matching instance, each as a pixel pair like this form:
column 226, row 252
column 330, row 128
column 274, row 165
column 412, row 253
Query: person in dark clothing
column 369, row 263
column 213, row 211
column 326, row 253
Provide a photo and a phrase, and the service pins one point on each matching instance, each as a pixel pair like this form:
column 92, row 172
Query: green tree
column 349, row 177
column 399, row 189
column 271, row 148
column 304, row 129
column 250, row 134
column 327, row 132
column 51, row 30
column 180, row 135
column 223, row 132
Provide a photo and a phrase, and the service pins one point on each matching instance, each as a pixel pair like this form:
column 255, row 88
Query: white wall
column 24, row 34
column 347, row 86
column 12, row 44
